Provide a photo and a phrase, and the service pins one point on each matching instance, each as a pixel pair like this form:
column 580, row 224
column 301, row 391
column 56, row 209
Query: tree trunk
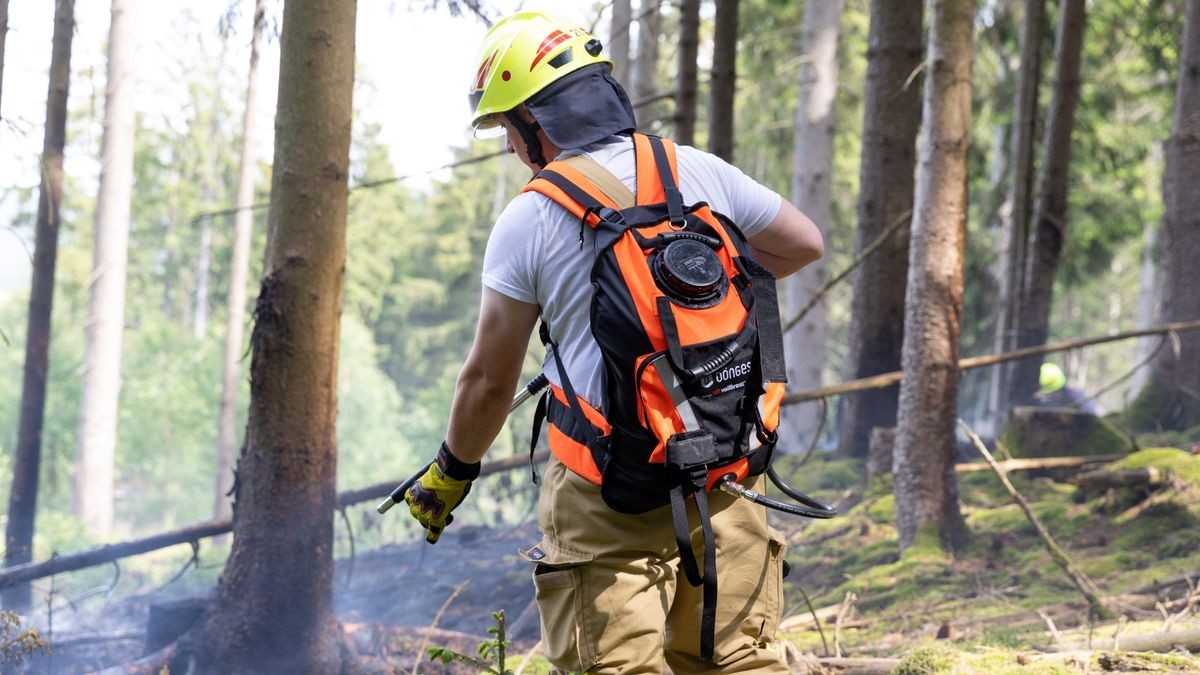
column 22, row 498
column 203, row 270
column 3, row 39
column 1015, row 236
column 1174, row 383
column 685, row 93
column 618, row 41
column 243, row 225
column 274, row 610
column 925, row 487
column 645, row 68
column 95, row 454
column 1149, row 291
column 723, row 85
column 1050, row 214
column 891, row 117
column 811, row 175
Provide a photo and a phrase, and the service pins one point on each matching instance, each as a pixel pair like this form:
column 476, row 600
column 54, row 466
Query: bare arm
column 790, row 242
column 489, row 377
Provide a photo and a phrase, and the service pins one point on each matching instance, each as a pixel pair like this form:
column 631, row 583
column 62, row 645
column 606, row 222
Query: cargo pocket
column 559, row 600
column 773, row 589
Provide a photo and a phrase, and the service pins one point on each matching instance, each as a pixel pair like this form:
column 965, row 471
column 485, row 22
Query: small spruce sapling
column 488, row 650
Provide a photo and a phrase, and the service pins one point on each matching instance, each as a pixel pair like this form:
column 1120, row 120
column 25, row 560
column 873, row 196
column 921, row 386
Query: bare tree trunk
column 891, row 117
column 812, row 171
column 685, row 94
column 274, row 609
column 645, row 67
column 1050, row 214
column 1015, row 236
column 723, row 86
column 22, row 498
column 1174, row 389
column 201, row 311
column 3, row 39
column 925, row 486
column 1150, row 286
column 95, row 454
column 618, row 41
column 243, row 225
column 203, row 270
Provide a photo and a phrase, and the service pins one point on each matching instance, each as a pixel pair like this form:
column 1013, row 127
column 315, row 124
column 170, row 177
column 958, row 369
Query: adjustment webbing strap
column 687, row 560
column 670, row 189
column 683, row 538
column 670, row 333
column 766, row 316
column 708, row 616
column 572, row 400
column 539, row 415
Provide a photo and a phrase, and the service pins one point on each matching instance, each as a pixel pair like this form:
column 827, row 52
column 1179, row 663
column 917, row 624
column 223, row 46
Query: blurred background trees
column 414, row 243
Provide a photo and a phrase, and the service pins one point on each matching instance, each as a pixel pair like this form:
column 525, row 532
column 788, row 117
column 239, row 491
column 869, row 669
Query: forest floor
column 1000, row 605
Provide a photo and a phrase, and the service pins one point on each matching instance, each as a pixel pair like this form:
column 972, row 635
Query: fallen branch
column 866, row 253
column 1077, row 576
column 888, row 379
column 1043, row 463
column 211, row 528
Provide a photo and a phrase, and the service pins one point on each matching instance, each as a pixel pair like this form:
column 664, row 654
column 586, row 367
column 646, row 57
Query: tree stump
column 879, row 451
column 1058, row 432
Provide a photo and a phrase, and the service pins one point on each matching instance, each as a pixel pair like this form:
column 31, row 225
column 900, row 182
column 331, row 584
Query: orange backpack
column 688, row 326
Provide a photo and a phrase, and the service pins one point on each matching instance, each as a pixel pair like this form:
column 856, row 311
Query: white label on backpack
column 730, row 378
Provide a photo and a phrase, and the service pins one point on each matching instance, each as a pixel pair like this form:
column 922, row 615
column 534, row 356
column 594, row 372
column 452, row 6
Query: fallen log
column 1154, row 642
column 859, row 666
column 194, row 533
column 1184, row 579
column 1097, row 482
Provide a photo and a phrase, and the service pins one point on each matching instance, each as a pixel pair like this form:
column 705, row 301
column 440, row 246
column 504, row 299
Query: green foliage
column 491, row 651
column 927, row 661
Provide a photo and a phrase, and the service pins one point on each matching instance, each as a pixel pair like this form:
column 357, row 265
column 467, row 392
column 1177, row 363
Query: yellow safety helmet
column 1051, row 378
column 521, row 55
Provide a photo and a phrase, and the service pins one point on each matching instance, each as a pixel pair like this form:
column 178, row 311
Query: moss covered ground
column 977, row 610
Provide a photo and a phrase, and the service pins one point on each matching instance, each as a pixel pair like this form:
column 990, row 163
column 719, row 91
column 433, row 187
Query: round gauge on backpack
column 689, row 272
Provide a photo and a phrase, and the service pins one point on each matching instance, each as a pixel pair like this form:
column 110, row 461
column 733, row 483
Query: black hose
column 824, row 510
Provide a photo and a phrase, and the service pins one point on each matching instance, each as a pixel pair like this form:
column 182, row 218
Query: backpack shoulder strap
column 567, row 185
column 658, row 174
column 603, row 179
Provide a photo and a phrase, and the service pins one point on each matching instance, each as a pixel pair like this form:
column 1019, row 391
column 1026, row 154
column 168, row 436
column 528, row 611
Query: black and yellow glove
column 439, row 491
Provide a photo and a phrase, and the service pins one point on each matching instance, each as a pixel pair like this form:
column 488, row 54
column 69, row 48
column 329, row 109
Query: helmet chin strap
column 528, row 131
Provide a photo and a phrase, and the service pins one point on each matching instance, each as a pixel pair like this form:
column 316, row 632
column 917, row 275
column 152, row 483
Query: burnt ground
column 385, row 598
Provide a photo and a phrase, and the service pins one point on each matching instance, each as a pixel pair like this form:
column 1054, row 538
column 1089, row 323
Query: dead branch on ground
column 1081, row 581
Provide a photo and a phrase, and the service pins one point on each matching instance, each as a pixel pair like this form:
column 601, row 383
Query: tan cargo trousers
column 613, row 599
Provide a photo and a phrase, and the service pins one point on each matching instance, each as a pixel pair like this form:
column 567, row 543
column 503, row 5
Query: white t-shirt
column 534, row 252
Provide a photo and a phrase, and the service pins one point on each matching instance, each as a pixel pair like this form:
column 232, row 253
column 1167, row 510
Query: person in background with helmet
column 610, row 594
column 1054, row 392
